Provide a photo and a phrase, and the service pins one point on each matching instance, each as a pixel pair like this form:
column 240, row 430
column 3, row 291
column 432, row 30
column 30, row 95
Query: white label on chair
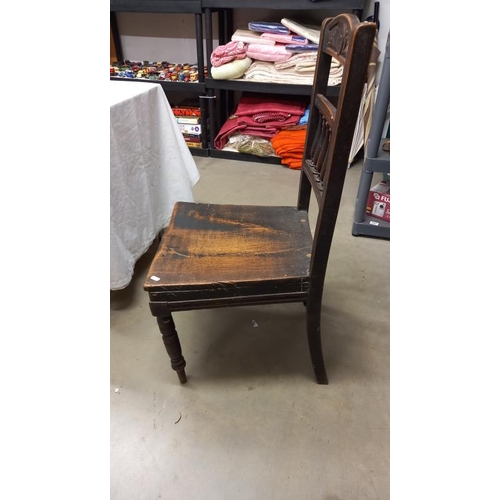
column 154, row 278
column 371, row 222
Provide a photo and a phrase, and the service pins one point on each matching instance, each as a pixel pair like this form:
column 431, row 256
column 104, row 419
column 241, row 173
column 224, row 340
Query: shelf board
column 177, row 86
column 269, row 88
column 381, row 163
column 372, row 226
column 199, row 152
column 344, row 5
column 166, row 6
column 233, row 155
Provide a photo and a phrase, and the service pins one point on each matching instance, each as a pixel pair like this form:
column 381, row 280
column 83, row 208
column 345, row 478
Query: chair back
column 330, row 130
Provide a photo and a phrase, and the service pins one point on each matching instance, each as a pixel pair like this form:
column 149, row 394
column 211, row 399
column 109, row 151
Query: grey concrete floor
column 251, row 423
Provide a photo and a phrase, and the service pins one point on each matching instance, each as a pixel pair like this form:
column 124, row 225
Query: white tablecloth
column 151, row 169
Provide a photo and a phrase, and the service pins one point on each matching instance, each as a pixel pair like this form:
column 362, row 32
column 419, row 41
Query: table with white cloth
column 151, row 168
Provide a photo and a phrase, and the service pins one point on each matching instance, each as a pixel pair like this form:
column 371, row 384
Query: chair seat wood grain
column 212, row 251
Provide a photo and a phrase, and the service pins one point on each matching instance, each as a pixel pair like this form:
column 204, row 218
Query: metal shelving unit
column 217, row 96
column 172, row 7
column 222, row 104
column 376, row 159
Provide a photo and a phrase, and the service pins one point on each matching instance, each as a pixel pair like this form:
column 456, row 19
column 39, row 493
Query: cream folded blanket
column 306, row 30
column 231, row 70
column 261, row 71
column 307, row 62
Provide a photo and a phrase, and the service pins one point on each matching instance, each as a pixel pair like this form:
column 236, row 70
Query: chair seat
column 218, row 255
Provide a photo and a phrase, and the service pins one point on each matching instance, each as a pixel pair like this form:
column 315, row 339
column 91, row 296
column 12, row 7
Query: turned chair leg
column 314, row 340
column 173, row 346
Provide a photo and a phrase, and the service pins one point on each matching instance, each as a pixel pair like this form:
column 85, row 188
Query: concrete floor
column 251, row 423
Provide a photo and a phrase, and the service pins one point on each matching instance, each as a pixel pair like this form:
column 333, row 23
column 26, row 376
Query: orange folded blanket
column 289, row 145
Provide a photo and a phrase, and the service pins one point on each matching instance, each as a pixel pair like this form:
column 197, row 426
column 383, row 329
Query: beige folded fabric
column 306, row 30
column 261, row 71
column 303, row 58
column 305, row 62
column 249, row 36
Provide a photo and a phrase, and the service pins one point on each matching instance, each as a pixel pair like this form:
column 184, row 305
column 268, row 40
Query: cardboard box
column 187, row 107
column 191, row 138
column 189, row 129
column 379, row 201
column 188, row 120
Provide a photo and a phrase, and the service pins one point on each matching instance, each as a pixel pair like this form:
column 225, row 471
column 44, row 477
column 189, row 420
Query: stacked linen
column 286, row 39
column 268, row 27
column 269, row 42
column 289, row 144
column 248, row 36
column 262, row 116
column 293, row 57
column 229, row 61
column 261, row 49
column 272, row 53
column 298, row 69
column 285, row 42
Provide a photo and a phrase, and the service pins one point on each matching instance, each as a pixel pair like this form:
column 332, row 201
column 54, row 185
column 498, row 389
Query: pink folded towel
column 272, row 53
column 295, row 39
column 226, row 53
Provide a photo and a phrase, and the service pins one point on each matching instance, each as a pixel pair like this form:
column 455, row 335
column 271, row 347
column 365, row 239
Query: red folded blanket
column 246, row 125
column 260, row 115
column 259, row 105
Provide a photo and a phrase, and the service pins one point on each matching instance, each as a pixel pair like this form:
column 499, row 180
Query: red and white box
column 379, row 201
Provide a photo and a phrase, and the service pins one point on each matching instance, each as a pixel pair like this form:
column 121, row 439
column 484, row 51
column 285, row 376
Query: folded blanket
column 303, row 58
column 231, row 70
column 310, row 47
column 261, row 71
column 246, row 125
column 227, row 53
column 295, row 39
column 268, row 27
column 265, row 108
column 289, row 145
column 268, row 53
column 260, row 115
column 248, row 36
column 305, row 61
column 306, row 30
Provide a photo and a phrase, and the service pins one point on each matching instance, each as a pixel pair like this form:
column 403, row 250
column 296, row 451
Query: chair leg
column 314, row 340
column 172, row 345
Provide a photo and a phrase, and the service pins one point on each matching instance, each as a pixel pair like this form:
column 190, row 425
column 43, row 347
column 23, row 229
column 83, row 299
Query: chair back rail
column 331, row 129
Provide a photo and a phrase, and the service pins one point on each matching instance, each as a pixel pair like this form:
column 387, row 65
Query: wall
column 158, row 37
column 171, row 37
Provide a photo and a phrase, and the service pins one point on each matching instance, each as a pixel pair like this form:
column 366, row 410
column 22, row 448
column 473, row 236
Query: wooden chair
column 230, row 255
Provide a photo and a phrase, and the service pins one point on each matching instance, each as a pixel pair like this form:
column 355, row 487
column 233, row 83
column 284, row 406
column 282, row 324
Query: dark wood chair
column 230, row 255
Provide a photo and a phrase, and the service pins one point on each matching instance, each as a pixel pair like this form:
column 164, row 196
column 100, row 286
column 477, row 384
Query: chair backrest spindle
column 330, row 130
